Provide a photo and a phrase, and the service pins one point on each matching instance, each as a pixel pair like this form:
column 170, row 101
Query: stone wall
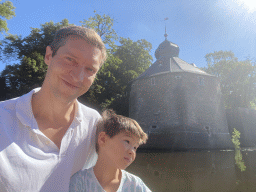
column 180, row 111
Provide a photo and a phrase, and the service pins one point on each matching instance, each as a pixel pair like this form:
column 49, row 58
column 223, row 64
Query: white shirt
column 29, row 161
column 86, row 181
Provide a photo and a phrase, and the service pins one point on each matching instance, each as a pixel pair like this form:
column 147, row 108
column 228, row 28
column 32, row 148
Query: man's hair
column 113, row 124
column 89, row 35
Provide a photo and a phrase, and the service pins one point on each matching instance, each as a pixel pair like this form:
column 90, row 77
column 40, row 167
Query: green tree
column 237, row 78
column 31, row 70
column 6, row 12
column 135, row 59
column 103, row 25
column 3, row 89
column 16, row 47
column 124, row 63
column 22, row 77
column 103, row 88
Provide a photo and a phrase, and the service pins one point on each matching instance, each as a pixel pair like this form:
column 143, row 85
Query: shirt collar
column 24, row 108
column 78, row 113
column 25, row 114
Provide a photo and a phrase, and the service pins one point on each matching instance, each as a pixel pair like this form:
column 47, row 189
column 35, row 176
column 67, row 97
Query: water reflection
column 239, row 160
column 199, row 171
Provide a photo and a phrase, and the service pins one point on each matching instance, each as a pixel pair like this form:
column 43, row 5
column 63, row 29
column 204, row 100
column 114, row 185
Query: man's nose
column 78, row 74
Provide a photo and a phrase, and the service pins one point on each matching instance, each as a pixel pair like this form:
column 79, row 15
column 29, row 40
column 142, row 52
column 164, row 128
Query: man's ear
column 48, row 55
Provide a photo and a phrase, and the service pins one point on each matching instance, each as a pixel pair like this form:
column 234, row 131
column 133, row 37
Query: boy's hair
column 89, row 35
column 113, row 124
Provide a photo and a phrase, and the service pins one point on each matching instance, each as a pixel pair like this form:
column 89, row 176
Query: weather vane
column 166, row 35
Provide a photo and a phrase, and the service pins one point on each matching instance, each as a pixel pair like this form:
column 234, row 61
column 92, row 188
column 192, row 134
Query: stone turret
column 167, row 49
column 178, row 104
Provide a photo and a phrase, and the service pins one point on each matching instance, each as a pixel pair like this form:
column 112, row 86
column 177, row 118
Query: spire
column 165, row 35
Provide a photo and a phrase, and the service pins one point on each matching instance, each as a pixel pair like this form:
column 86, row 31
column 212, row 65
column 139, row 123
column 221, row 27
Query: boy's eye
column 127, row 141
column 89, row 69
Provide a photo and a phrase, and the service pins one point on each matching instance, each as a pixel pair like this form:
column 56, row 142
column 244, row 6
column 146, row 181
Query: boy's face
column 120, row 150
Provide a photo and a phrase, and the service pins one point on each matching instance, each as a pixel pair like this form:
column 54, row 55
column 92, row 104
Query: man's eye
column 68, row 58
column 127, row 141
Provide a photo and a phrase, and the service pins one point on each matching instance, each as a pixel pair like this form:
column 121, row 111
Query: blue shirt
column 85, row 180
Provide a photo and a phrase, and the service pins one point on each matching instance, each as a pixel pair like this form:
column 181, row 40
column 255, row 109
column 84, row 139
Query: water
column 199, row 171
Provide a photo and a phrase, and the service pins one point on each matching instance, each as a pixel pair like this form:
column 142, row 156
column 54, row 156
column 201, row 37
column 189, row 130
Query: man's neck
column 46, row 106
column 53, row 116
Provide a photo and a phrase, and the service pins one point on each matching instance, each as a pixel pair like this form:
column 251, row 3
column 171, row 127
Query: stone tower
column 179, row 105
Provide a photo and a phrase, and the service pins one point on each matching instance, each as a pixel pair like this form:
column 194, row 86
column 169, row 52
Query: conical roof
column 167, row 55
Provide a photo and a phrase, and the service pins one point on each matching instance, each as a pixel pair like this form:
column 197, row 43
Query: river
column 197, row 171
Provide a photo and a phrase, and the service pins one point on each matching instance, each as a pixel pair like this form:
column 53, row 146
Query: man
column 47, row 135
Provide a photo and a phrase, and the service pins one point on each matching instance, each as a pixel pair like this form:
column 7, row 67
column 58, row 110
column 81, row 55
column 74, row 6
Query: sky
column 198, row 27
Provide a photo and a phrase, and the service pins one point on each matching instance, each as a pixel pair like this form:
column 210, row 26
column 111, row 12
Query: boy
column 117, row 140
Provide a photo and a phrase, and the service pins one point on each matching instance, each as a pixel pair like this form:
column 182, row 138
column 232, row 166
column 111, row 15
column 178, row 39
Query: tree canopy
column 6, row 13
column 237, row 78
column 103, row 25
column 30, row 72
column 126, row 60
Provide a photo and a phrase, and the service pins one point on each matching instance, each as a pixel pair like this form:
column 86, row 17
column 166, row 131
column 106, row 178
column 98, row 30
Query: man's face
column 73, row 69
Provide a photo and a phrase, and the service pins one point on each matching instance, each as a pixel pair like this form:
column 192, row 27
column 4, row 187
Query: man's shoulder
column 88, row 111
column 8, row 105
column 11, row 103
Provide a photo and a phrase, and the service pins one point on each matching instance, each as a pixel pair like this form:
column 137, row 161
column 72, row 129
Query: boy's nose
column 132, row 151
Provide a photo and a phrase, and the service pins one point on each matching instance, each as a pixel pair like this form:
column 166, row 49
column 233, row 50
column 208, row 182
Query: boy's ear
column 102, row 138
column 48, row 55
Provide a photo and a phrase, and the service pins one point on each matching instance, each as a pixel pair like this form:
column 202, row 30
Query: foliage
column 235, row 138
column 103, row 25
column 110, row 89
column 239, row 160
column 21, row 78
column 3, row 89
column 237, row 78
column 125, row 62
column 6, row 12
column 26, row 75
column 105, row 85
column 135, row 57
column 17, row 47
column 238, row 154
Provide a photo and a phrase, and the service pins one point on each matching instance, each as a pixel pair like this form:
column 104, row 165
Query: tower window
column 154, row 126
column 208, row 130
column 153, row 81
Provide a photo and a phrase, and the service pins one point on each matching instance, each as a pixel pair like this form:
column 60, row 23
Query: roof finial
column 166, row 35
